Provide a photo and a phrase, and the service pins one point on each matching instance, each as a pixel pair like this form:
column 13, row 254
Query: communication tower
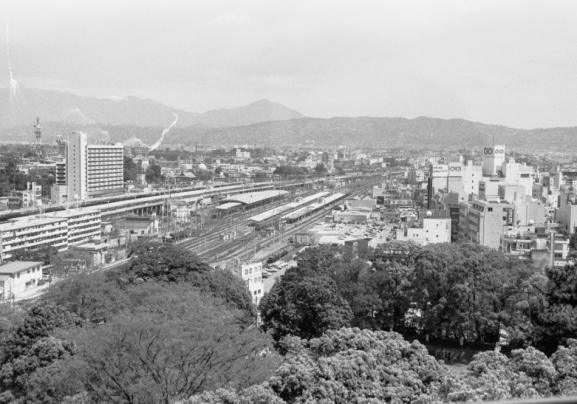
column 38, row 132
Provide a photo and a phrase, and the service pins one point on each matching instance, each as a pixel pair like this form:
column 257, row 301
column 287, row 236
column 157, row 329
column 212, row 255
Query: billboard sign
column 440, row 171
column 497, row 151
column 455, row 170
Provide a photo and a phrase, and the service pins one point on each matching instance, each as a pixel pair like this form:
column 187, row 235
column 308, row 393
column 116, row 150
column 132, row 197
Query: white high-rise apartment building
column 91, row 170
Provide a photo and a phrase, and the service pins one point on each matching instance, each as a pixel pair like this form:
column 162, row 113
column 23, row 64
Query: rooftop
column 28, row 221
column 254, row 197
column 18, row 266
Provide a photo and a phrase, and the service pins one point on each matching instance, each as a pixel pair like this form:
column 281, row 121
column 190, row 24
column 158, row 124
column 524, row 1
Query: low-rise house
column 18, row 277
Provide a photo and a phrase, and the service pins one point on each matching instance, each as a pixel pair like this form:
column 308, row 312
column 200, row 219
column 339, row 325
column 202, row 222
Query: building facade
column 18, row 277
column 90, row 170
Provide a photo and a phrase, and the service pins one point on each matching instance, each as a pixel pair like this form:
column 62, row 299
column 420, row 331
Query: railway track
column 244, row 244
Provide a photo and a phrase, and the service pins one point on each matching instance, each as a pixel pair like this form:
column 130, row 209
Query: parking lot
column 268, row 282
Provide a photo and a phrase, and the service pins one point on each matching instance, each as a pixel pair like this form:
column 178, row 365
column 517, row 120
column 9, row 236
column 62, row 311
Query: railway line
column 247, row 243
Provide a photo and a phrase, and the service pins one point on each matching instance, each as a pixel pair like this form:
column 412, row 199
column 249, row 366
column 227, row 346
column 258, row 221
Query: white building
column 18, row 277
column 251, row 274
column 31, row 232
column 493, row 159
column 58, row 229
column 91, row 170
column 434, row 230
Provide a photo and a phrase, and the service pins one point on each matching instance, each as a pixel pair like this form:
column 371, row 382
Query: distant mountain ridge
column 137, row 120
column 61, row 107
column 422, row 132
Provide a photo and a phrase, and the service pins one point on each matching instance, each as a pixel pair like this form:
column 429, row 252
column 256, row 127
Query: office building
column 493, row 159
column 482, row 221
column 91, row 170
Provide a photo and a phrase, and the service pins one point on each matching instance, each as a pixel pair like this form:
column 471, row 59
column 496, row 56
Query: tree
column 42, row 254
column 218, row 170
column 303, row 307
column 70, row 262
column 353, row 365
column 318, row 260
column 153, row 174
column 171, row 263
column 173, row 344
column 258, row 394
column 31, row 347
column 92, row 297
column 260, row 177
column 555, row 319
column 129, row 169
column 466, row 290
column 320, row 168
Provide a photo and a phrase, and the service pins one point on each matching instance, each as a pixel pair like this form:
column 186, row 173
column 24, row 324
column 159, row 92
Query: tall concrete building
column 90, row 170
column 493, row 159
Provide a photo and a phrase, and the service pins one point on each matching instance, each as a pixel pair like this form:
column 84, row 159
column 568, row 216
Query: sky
column 511, row 63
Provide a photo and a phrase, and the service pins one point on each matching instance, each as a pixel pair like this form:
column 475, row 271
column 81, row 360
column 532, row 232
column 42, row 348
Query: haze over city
column 508, row 63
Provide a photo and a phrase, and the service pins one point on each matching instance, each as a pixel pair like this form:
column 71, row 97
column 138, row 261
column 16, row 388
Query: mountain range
column 135, row 120
column 61, row 107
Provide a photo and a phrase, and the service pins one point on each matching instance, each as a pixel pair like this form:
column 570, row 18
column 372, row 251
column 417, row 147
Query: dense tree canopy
column 171, row 342
column 171, row 263
column 304, row 307
column 168, row 328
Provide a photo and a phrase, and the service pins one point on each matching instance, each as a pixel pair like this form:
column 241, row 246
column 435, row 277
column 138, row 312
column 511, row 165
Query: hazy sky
column 505, row 62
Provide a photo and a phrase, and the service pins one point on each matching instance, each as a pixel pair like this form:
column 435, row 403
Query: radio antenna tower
column 38, row 132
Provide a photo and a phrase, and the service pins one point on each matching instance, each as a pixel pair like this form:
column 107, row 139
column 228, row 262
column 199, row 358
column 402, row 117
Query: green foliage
column 130, row 169
column 170, row 343
column 40, row 255
column 31, row 349
column 304, row 307
column 555, row 319
column 92, row 297
column 492, row 376
column 290, row 171
column 258, row 394
column 171, row 263
column 320, row 168
column 71, row 262
column 353, row 365
column 153, row 174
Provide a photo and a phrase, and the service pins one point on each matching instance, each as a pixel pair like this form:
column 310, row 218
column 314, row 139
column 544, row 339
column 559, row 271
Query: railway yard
column 267, row 229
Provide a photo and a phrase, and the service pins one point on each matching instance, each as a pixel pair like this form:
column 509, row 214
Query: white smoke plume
column 13, row 82
column 164, row 132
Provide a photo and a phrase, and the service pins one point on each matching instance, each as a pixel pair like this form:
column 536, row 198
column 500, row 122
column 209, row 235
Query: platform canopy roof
column 254, row 197
column 228, row 205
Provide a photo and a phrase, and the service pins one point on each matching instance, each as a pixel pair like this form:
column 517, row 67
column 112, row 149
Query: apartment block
column 31, row 232
column 91, row 170
column 83, row 224
column 58, row 229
